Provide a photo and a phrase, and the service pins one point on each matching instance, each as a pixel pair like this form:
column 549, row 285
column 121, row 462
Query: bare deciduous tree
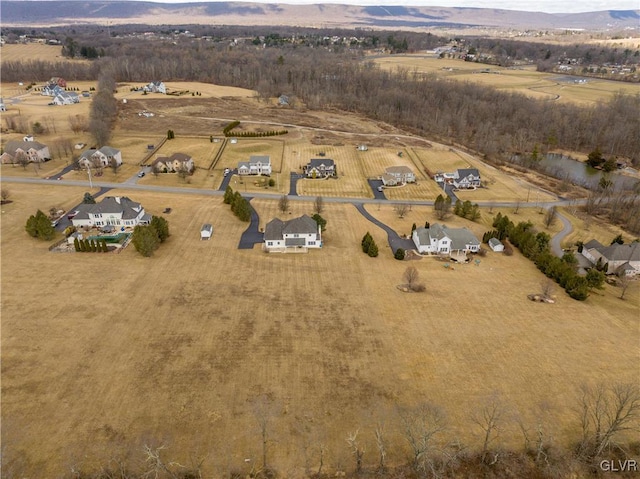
column 22, row 159
column 421, row 426
column 516, row 208
column 401, row 209
column 624, row 281
column 5, row 194
column 412, row 278
column 548, row 287
column 264, row 410
column 550, row 217
column 283, row 203
column 381, row 444
column 356, row 448
column 605, row 412
column 489, row 419
column 318, row 205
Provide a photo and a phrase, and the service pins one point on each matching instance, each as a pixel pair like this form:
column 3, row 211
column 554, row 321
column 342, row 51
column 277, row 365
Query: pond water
column 560, row 166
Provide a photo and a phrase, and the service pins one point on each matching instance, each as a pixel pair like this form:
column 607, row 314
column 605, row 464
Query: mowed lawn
column 102, row 354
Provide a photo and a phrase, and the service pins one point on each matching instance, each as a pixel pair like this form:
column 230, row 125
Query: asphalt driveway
column 393, row 238
column 251, row 236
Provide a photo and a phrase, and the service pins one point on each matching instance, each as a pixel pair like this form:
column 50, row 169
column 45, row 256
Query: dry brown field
column 526, row 80
column 586, row 228
column 102, row 354
column 200, row 149
column 32, row 51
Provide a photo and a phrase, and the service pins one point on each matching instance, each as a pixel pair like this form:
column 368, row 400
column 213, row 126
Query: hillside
column 48, row 13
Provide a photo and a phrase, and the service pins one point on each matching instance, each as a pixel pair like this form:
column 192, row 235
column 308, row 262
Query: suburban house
column 57, row 81
column 295, row 235
column 155, row 87
column 615, row 259
column 461, row 178
column 320, row 168
column 102, row 157
column 34, row 151
column 117, row 211
column 206, row 231
column 398, row 175
column 440, row 239
column 52, row 90
column 173, row 163
column 496, row 245
column 257, row 165
column 66, row 98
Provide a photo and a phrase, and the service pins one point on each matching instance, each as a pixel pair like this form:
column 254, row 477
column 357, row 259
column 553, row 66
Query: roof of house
column 111, row 205
column 264, row 159
column 592, row 244
column 276, row 228
column 494, row 242
column 465, row 172
column 621, row 252
column 321, row 162
column 399, row 170
column 460, row 237
column 12, row 146
column 175, row 157
column 105, row 150
column 387, row 178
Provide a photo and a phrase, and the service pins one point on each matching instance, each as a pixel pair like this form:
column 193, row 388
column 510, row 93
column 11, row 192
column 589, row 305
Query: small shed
column 363, row 147
column 496, row 245
column 206, row 231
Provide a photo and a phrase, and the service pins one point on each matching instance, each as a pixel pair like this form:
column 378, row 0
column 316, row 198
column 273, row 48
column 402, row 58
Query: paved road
column 393, row 238
column 251, row 235
column 272, row 196
column 557, row 239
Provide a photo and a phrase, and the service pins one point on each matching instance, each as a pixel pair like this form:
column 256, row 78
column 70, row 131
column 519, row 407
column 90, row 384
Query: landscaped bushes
column 369, row 245
column 90, row 246
column 227, row 129
column 239, row 205
column 250, row 134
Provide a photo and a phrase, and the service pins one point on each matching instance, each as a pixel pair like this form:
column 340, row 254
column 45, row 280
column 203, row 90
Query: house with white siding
column 66, row 98
column 116, row 211
column 293, row 236
column 257, row 165
column 439, row 239
column 398, row 175
column 155, row 87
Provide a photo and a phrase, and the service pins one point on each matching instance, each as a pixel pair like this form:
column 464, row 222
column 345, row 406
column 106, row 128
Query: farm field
column 200, row 149
column 524, row 80
column 184, row 359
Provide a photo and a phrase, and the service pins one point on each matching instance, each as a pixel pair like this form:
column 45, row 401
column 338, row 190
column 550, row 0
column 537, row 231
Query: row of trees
column 467, row 210
column 417, row 441
column 239, row 205
column 104, row 109
column 369, row 245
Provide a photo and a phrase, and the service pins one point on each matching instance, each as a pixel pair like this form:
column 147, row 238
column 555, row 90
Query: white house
column 33, row 150
column 66, row 98
column 443, row 240
column 102, row 157
column 173, row 163
column 320, row 168
column 257, row 165
column 155, row 87
column 296, row 235
column 496, row 245
column 52, row 90
column 206, row 231
column 398, row 175
column 466, row 178
column 616, row 258
column 117, row 211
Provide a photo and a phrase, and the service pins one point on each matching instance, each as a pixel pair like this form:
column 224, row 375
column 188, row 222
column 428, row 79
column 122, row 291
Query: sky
column 548, row 6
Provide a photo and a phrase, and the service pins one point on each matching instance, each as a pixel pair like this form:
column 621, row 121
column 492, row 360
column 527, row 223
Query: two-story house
column 173, row 163
column 33, row 151
column 440, row 239
column 257, row 165
column 296, row 235
column 117, row 211
column 320, row 168
column 398, row 175
column 102, row 157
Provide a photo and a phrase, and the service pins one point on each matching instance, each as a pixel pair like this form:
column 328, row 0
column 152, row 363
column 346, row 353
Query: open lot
column 522, row 80
column 104, row 353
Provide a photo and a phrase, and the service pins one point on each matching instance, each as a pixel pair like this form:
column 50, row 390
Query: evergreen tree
column 161, row 226
column 145, row 240
column 399, row 255
column 76, row 244
column 320, row 220
column 228, row 196
column 366, row 241
column 373, row 249
column 39, row 226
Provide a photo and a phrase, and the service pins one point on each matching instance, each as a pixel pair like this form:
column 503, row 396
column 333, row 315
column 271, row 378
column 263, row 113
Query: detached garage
column 206, row 232
column 496, row 245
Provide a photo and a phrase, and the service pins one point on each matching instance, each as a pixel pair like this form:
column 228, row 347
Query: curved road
column 557, row 239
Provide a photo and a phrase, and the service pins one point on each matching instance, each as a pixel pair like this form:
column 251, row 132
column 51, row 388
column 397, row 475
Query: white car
column 226, row 171
column 141, row 174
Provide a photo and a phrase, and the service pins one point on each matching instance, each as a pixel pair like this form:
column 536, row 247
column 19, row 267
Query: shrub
column 39, row 226
column 400, row 254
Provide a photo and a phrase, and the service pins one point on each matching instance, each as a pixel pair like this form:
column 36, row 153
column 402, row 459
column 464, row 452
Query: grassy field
column 105, row 353
column 524, row 80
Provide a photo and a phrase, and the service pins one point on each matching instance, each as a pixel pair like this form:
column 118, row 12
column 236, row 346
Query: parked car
column 141, row 174
column 380, row 188
column 226, row 171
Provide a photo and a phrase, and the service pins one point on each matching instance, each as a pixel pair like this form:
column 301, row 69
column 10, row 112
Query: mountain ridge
column 39, row 13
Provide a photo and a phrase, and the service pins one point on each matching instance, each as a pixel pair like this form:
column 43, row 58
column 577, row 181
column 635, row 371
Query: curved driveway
column 393, row 238
column 557, row 239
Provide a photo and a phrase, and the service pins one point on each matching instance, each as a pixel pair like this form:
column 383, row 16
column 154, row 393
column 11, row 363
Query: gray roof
column 319, row 163
column 109, row 151
column 592, row 244
column 111, row 204
column 494, row 242
column 621, row 252
column 460, row 237
column 264, row 159
column 276, row 228
column 294, row 242
column 399, row 170
column 464, row 172
column 12, row 146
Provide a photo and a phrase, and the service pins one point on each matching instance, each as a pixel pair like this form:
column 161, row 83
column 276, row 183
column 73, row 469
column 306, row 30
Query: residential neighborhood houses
column 440, row 239
column 66, row 98
column 116, row 211
column 155, row 87
column 32, row 150
column 257, row 165
column 174, row 163
column 102, row 157
column 320, row 168
column 293, row 236
column 620, row 259
column 398, row 175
